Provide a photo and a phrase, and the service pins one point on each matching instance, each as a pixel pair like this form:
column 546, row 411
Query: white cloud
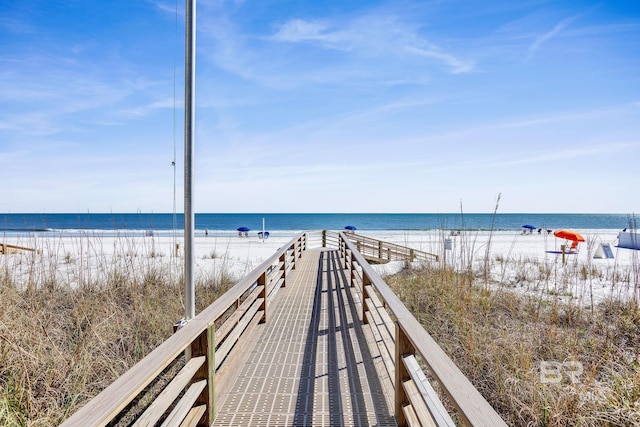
column 544, row 38
column 298, row 30
column 370, row 35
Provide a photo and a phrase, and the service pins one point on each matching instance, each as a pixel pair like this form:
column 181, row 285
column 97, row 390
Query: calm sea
column 18, row 224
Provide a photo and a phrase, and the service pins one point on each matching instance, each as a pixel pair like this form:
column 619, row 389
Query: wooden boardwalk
column 311, row 337
column 310, row 364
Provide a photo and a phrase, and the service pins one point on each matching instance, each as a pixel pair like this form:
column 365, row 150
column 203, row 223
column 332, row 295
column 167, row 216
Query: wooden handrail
column 471, row 406
column 375, row 249
column 398, row 334
column 107, row 405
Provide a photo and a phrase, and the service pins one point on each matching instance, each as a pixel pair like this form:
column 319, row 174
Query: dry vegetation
column 537, row 360
column 70, row 324
column 69, row 327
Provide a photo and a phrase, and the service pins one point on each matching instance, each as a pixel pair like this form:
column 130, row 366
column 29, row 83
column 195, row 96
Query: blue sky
column 323, row 106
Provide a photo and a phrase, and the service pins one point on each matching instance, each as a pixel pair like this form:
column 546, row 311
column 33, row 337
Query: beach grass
column 531, row 335
column 72, row 321
column 542, row 357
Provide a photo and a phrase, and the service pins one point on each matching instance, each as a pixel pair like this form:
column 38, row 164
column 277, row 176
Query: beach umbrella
column 243, row 229
column 529, row 227
column 350, row 228
column 569, row 235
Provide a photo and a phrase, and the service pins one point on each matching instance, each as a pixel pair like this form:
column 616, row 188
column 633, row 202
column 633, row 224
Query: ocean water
column 133, row 223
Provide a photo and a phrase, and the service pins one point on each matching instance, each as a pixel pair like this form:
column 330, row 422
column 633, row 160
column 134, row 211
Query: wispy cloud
column 147, row 109
column 379, row 34
column 299, row 30
column 565, row 155
column 544, row 38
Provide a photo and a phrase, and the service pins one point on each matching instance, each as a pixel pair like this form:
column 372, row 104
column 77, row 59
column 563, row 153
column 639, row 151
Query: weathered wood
column 381, row 312
column 194, row 416
column 111, row 401
column 429, row 396
column 471, row 405
column 403, row 347
column 365, row 282
column 160, row 405
column 391, row 350
column 185, row 404
column 275, row 286
column 418, row 405
column 225, row 348
column 230, row 324
column 205, row 346
column 376, row 250
column 383, row 350
column 282, row 266
column 410, row 416
column 6, row 248
column 262, row 282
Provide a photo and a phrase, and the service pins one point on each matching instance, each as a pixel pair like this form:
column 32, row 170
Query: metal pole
column 189, row 151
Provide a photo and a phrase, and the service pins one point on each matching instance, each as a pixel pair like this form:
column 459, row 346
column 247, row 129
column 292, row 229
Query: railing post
column 324, row 238
column 283, row 268
column 403, row 347
column 365, row 294
column 262, row 281
column 294, row 252
column 352, row 274
column 380, row 251
column 204, row 345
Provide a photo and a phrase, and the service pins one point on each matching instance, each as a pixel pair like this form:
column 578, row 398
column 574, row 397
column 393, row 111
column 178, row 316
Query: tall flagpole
column 189, row 151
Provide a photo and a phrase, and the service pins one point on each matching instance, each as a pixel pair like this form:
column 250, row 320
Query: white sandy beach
column 518, row 261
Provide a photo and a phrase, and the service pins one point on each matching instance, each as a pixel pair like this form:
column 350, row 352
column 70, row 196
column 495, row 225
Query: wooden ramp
column 379, row 251
column 310, row 364
column 311, row 337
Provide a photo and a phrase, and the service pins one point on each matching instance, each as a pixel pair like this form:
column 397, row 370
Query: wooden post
column 403, row 347
column 283, row 268
column 352, row 274
column 324, row 238
column 204, row 345
column 365, row 294
column 562, row 248
column 295, row 255
column 262, row 281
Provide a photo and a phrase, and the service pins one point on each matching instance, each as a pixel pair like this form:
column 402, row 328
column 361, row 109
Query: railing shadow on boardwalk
column 215, row 344
column 382, row 411
column 332, row 287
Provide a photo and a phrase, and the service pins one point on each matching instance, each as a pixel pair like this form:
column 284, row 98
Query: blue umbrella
column 350, row 228
column 529, row 226
column 243, row 229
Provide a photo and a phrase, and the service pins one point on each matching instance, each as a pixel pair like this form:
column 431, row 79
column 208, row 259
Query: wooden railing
column 381, row 251
column 11, row 249
column 404, row 346
column 205, row 343
column 207, row 351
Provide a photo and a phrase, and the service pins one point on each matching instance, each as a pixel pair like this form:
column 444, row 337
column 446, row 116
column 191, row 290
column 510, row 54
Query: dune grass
column 539, row 359
column 71, row 324
column 74, row 318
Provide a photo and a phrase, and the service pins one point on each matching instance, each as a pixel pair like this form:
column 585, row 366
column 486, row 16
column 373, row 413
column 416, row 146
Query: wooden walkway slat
column 310, row 365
